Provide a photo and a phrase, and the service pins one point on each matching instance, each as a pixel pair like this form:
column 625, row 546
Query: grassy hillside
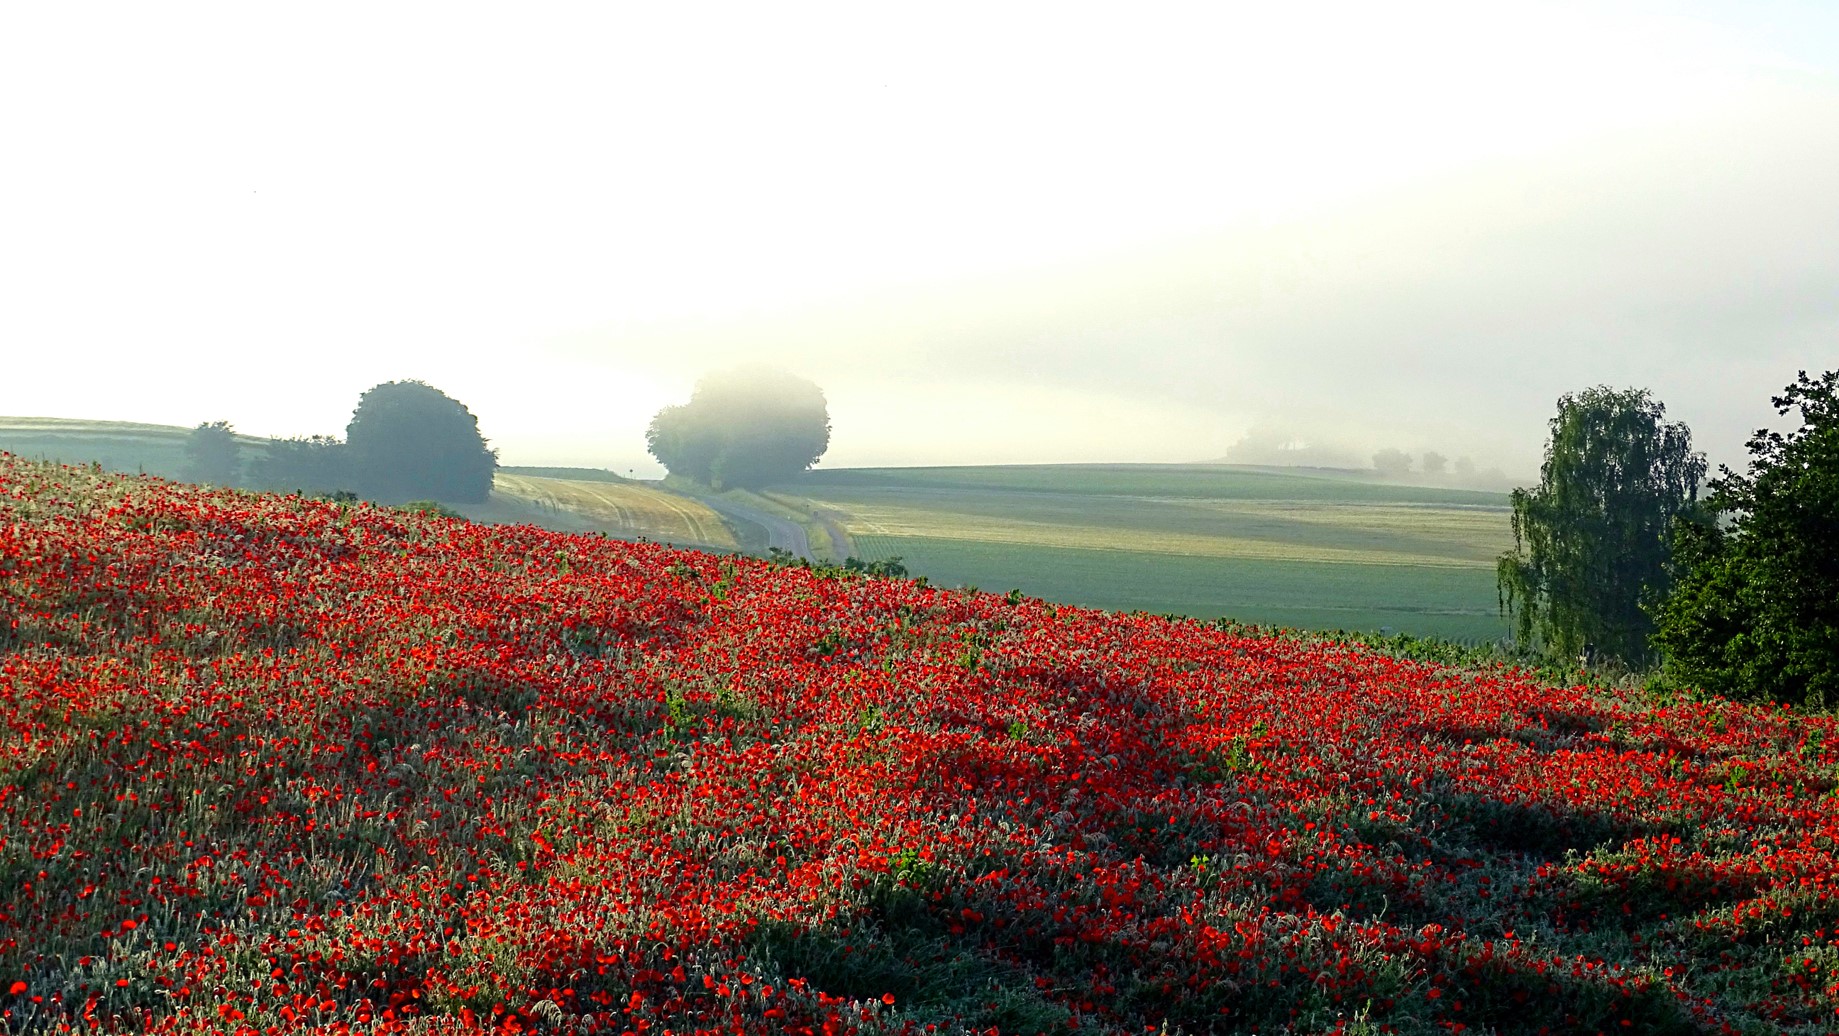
column 1320, row 550
column 1303, row 594
column 281, row 765
column 561, row 499
column 126, row 446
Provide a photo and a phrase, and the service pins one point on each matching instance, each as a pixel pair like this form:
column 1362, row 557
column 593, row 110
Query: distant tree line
column 1285, row 447
column 213, row 455
column 1393, row 463
column 1617, row 558
column 406, row 441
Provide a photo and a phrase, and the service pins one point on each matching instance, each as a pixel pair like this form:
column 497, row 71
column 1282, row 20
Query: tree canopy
column 410, row 441
column 1755, row 609
column 312, row 464
column 1392, row 463
column 744, row 428
column 1590, row 541
column 212, row 454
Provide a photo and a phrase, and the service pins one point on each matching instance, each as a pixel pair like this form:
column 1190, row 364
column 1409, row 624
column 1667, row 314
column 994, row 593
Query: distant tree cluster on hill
column 1276, row 446
column 213, row 455
column 745, row 428
column 406, row 441
column 311, row 464
column 410, row 441
column 1434, row 468
column 1392, row 463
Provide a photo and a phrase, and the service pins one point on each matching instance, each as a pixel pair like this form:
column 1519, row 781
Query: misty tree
column 1465, row 468
column 1754, row 611
column 1285, row 447
column 684, row 442
column 212, row 454
column 408, row 440
column 310, row 464
column 1590, row 541
column 1392, row 463
column 742, row 428
column 1435, row 463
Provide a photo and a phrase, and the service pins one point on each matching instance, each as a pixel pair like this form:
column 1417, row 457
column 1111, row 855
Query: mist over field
column 1088, row 568
column 1028, row 235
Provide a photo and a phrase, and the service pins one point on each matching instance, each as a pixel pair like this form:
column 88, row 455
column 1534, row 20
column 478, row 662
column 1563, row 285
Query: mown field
column 273, row 765
column 1321, row 550
column 632, row 508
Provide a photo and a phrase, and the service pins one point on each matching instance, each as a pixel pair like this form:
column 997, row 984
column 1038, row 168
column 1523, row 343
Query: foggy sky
column 989, row 233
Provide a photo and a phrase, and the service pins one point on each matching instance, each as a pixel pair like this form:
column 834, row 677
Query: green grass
column 85, row 426
column 131, row 452
column 1311, row 549
column 1455, row 603
column 1306, row 530
column 1206, row 481
column 126, row 446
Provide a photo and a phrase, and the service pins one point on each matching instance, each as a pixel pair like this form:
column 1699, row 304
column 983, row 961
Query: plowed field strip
column 640, row 510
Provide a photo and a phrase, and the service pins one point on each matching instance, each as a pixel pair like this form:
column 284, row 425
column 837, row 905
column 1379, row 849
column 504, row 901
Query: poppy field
column 272, row 764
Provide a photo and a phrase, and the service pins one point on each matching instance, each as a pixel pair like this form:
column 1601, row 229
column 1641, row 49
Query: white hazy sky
column 991, row 232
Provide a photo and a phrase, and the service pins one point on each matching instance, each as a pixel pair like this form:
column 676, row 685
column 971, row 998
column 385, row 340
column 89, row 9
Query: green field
column 151, row 449
column 1454, row 603
column 1207, row 481
column 1321, row 550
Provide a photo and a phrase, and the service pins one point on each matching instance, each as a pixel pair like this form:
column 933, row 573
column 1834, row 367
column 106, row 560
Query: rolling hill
column 275, row 764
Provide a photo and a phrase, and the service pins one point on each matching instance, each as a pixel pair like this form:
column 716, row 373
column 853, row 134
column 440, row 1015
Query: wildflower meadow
column 272, row 764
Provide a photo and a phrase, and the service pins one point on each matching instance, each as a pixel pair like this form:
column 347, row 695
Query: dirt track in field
column 624, row 506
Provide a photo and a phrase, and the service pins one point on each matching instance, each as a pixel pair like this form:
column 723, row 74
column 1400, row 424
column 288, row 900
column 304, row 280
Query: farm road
column 780, row 532
column 833, row 528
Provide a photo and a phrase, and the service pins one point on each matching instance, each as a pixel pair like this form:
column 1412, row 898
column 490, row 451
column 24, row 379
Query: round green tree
column 743, row 428
column 410, row 441
column 212, row 454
